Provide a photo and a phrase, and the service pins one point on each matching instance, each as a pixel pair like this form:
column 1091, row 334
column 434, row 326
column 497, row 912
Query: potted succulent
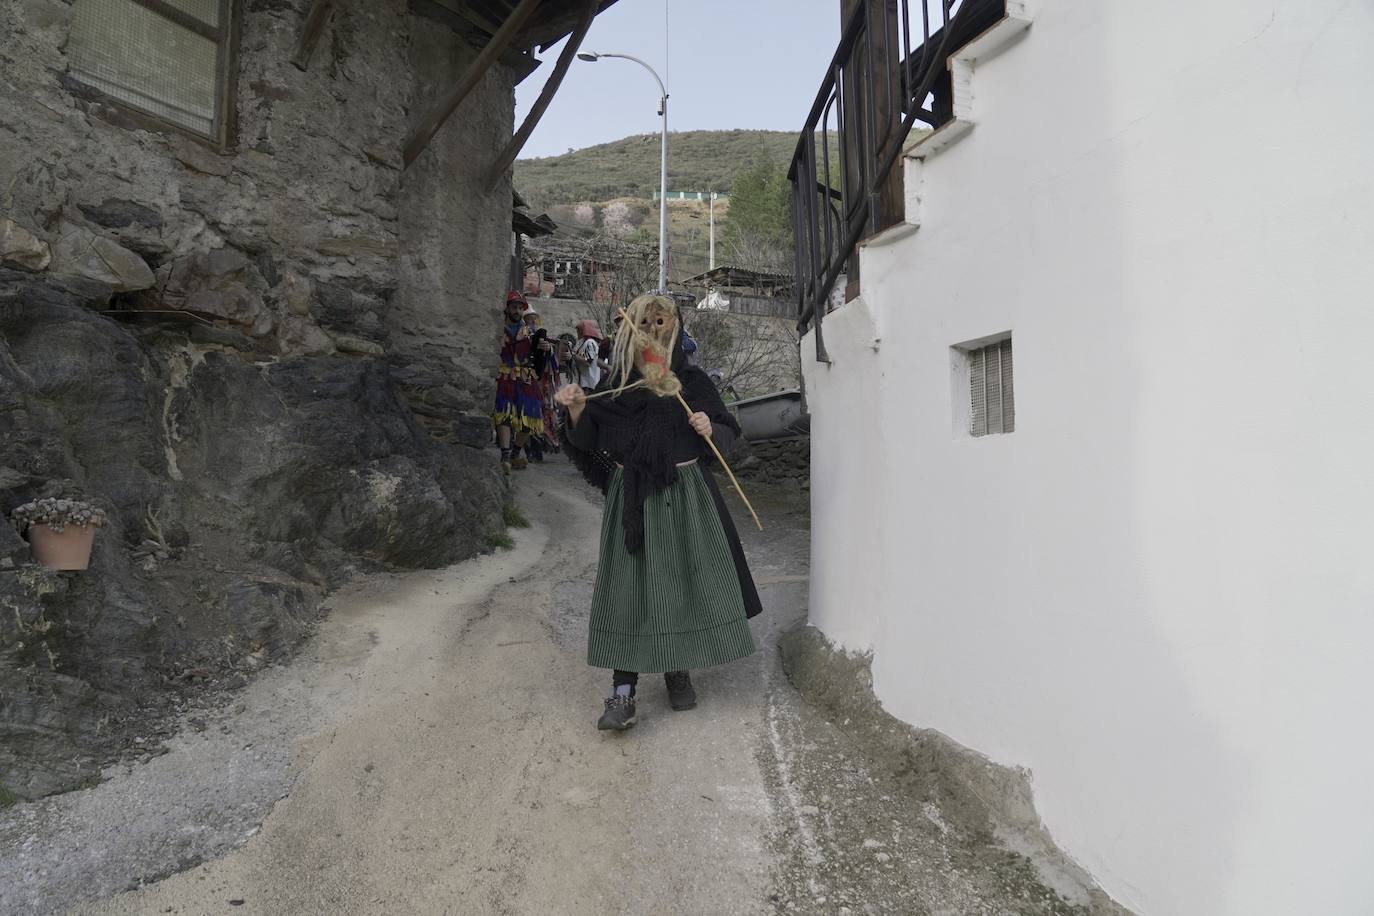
column 60, row 531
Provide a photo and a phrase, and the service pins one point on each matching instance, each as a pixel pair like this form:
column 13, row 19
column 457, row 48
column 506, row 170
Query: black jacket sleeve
column 580, row 444
column 583, row 435
column 724, row 436
column 701, row 395
column 540, row 358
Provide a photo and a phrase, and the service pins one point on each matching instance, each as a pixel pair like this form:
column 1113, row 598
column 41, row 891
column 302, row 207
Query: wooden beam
column 310, row 32
column 468, row 81
column 550, row 29
column 565, row 59
column 474, row 18
column 520, row 63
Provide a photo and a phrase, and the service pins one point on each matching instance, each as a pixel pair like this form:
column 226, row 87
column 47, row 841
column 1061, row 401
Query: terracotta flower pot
column 69, row 548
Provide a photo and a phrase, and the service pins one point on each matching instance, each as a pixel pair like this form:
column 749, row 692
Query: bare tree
column 753, row 355
column 757, row 253
column 610, row 270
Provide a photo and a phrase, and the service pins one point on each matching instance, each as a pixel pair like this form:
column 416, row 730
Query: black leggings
column 625, row 677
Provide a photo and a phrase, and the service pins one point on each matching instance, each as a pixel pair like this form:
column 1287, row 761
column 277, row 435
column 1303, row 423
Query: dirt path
column 434, row 752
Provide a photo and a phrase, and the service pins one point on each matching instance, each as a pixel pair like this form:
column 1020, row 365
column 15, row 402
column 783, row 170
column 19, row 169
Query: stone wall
column 777, row 461
column 455, row 241
column 223, row 349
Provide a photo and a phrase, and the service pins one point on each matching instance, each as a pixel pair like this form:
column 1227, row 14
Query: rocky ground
column 433, row 751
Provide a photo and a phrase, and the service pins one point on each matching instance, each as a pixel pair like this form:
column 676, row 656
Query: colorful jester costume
column 547, row 372
column 519, row 401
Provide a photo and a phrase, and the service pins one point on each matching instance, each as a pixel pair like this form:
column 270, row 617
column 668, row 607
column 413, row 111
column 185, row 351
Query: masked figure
column 544, row 356
column 519, row 412
column 673, row 589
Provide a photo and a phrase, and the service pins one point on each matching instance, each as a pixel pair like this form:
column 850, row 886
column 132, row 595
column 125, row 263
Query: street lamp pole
column 663, row 164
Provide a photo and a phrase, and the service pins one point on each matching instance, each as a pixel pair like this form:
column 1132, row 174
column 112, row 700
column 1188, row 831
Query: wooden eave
column 478, row 20
column 528, row 22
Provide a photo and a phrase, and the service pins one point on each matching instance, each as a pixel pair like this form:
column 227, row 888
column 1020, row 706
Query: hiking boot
column 619, row 714
column 680, row 693
column 520, row 463
column 505, row 466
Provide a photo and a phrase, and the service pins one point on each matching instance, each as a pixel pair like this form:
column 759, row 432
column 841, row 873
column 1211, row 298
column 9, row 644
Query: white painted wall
column 1158, row 593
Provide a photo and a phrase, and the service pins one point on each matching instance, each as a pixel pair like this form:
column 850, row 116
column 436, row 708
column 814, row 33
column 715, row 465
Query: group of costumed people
column 525, row 385
column 673, row 589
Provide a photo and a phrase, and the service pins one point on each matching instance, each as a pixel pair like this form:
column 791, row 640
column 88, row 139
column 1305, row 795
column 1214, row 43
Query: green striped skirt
column 676, row 604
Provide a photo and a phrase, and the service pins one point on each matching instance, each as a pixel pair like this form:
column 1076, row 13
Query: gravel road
column 433, row 750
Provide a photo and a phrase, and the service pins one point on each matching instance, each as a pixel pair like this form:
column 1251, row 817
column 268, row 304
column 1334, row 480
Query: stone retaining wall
column 777, row 461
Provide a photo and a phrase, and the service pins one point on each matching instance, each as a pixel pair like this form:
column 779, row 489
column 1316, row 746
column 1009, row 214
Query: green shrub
column 513, row 517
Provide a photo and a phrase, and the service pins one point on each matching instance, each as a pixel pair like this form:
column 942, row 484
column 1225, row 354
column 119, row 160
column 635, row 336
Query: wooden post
column 310, row 32
column 541, row 104
column 853, row 152
column 888, row 108
column 469, row 80
column 873, row 103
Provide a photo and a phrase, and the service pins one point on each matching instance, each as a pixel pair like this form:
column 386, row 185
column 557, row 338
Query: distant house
column 552, row 273
column 744, row 291
column 525, row 226
column 1092, row 421
column 693, row 195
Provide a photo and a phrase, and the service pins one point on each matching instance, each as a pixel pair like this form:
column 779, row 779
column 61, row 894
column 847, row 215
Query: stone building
column 233, row 315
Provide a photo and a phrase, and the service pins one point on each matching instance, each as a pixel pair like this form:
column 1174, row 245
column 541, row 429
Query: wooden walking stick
column 652, row 357
column 725, row 464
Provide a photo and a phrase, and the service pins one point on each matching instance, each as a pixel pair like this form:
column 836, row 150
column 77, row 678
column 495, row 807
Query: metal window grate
column 151, row 63
column 207, row 11
column 991, row 389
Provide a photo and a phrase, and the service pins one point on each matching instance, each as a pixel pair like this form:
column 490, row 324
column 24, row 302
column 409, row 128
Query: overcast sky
column 727, row 63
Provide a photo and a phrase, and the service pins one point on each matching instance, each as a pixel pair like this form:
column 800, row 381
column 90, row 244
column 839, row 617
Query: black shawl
column 647, row 434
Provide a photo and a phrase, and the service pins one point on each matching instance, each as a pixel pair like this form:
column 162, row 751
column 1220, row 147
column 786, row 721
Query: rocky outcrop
column 237, row 492
column 94, row 267
column 264, row 360
column 20, row 248
column 222, row 284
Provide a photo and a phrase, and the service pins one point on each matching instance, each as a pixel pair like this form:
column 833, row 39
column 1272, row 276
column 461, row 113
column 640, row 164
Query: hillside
column 698, row 160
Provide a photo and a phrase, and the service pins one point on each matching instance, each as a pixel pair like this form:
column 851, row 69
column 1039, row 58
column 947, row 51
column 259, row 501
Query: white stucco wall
column 1158, row 593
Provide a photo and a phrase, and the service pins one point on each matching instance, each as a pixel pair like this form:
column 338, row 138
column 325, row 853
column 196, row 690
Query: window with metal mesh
column 152, row 62
column 992, row 396
column 207, row 11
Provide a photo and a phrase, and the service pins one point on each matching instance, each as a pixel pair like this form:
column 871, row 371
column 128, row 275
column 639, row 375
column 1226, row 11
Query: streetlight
column 594, row 56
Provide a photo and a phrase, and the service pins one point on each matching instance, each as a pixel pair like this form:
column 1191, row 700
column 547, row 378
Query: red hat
column 588, row 328
column 516, row 296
